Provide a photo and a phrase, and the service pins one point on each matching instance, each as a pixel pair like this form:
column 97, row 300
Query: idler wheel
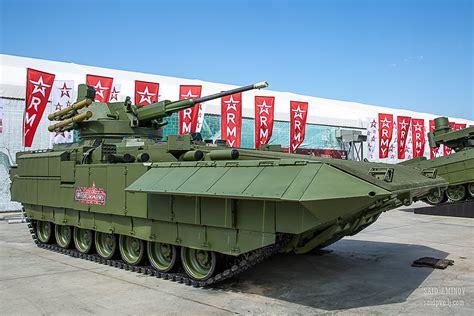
column 131, row 249
column 83, row 239
column 436, row 198
column 44, row 231
column 162, row 256
column 63, row 235
column 198, row 264
column 470, row 189
column 106, row 244
column 456, row 192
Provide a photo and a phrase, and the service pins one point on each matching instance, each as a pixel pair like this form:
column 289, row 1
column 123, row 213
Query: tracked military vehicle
column 457, row 168
column 188, row 209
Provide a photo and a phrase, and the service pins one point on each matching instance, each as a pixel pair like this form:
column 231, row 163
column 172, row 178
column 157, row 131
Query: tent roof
column 321, row 111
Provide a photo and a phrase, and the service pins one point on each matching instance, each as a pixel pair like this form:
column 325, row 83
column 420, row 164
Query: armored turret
column 113, row 121
column 462, row 139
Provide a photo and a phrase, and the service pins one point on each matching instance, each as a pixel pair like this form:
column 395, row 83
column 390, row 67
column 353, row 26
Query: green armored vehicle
column 188, row 209
column 457, row 168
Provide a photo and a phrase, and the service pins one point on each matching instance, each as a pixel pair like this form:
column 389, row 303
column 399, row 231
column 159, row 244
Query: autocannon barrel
column 258, row 85
column 74, row 107
column 166, row 108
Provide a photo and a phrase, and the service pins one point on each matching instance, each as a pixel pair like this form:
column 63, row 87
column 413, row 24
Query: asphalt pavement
column 369, row 273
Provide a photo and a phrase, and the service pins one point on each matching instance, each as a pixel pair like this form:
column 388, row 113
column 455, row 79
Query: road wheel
column 105, row 244
column 162, row 256
column 131, row 249
column 456, row 192
column 83, row 239
column 44, row 231
column 436, row 197
column 63, row 235
column 470, row 189
column 198, row 264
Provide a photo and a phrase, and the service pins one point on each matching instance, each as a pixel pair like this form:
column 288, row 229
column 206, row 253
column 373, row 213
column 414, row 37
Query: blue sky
column 415, row 54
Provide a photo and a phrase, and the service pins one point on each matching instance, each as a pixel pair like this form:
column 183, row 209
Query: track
column 238, row 265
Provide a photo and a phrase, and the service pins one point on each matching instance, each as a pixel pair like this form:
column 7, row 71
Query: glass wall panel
column 317, row 136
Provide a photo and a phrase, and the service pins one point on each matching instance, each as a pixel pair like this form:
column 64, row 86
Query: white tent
column 327, row 112
column 322, row 111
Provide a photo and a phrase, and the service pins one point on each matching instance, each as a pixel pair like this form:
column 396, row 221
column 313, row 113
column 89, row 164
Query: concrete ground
column 369, row 273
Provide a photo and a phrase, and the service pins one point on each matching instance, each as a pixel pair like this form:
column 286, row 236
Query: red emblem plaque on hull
column 90, row 195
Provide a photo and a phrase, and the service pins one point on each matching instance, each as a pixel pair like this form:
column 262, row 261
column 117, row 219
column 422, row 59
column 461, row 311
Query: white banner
column 393, row 147
column 372, row 140
column 115, row 95
column 62, row 96
column 409, row 146
column 200, row 118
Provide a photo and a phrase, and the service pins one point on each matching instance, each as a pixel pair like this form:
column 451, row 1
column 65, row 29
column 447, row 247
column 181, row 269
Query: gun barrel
column 74, row 107
column 166, row 108
column 258, row 85
column 75, row 119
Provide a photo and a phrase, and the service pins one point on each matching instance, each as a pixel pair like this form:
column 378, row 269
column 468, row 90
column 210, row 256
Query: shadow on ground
column 356, row 273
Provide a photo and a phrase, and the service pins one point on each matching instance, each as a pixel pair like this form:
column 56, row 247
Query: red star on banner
column 298, row 112
column 99, row 89
column 418, row 127
column 57, row 107
column 373, row 124
column 65, row 91
column 39, row 86
column 385, row 122
column 404, row 124
column 231, row 103
column 145, row 95
column 188, row 95
column 264, row 107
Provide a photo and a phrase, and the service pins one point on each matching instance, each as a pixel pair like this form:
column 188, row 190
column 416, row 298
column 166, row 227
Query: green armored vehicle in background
column 192, row 210
column 457, row 168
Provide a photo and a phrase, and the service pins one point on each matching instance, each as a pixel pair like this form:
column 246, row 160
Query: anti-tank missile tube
column 75, row 119
column 75, row 107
